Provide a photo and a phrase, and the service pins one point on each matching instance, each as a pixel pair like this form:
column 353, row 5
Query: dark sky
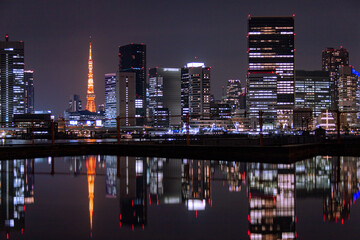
column 56, row 35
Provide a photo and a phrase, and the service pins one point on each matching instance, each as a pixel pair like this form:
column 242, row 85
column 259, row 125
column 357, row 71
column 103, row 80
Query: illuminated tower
column 90, row 96
column 90, row 166
column 271, row 54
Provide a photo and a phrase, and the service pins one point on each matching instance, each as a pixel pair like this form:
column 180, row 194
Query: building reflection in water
column 235, row 174
column 17, row 189
column 335, row 179
column 132, row 192
column 111, row 172
column 196, row 184
column 165, row 181
column 136, row 182
column 271, row 193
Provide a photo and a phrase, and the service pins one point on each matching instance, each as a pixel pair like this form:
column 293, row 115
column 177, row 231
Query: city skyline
column 59, row 29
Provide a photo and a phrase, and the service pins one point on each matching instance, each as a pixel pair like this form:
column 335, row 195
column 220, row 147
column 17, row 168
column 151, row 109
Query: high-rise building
column 332, row 59
column 125, row 98
column 165, row 95
column 195, row 90
column 29, row 91
column 90, row 96
column 110, row 100
column 271, row 48
column 12, row 92
column 133, row 59
column 233, row 93
column 262, row 96
column 347, row 85
column 312, row 90
column 75, row 104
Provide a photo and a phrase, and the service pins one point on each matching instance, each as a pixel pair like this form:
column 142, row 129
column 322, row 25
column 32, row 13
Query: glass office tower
column 12, row 92
column 271, row 48
column 133, row 59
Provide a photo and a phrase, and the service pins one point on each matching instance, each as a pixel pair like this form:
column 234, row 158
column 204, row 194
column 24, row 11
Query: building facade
column 165, row 95
column 271, row 48
column 12, row 88
column 195, row 91
column 313, row 90
column 110, row 100
column 347, row 86
column 262, row 97
column 133, row 59
column 75, row 104
column 29, row 91
column 126, row 98
column 233, row 93
column 332, row 59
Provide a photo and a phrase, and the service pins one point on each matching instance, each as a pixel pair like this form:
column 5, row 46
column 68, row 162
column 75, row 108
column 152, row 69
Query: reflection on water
column 140, row 183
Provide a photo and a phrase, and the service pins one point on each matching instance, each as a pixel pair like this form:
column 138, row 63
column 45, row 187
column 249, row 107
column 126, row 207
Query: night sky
column 56, row 35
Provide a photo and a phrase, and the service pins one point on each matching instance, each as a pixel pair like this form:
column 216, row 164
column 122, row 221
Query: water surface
column 111, row 197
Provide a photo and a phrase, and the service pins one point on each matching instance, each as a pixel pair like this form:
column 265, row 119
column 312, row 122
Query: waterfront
column 110, row 197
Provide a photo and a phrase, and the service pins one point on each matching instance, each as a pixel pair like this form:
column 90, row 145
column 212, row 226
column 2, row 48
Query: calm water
column 109, row 197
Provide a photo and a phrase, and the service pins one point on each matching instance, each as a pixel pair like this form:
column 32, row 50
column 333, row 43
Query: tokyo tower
column 90, row 96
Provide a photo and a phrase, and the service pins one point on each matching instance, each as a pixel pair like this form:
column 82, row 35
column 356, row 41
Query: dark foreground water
column 110, row 197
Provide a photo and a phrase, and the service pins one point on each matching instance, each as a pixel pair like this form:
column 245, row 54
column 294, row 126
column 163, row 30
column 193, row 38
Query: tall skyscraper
column 125, row 98
column 110, row 99
column 262, row 96
column 90, row 96
column 12, row 92
column 75, row 104
column 312, row 90
column 165, row 94
column 233, row 93
column 133, row 59
column 271, row 49
column 195, row 90
column 29, row 91
column 347, row 85
column 332, row 59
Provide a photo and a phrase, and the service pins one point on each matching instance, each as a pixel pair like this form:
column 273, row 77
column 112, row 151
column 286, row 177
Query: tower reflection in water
column 138, row 183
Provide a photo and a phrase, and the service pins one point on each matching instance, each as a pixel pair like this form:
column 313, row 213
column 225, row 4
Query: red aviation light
column 295, row 234
column 293, row 14
column 143, row 227
column 324, row 218
column 120, row 224
column 295, row 219
column 342, row 221
column 149, row 199
column 7, row 235
column 196, row 213
column 132, row 227
column 22, row 231
column 120, row 217
column 249, row 219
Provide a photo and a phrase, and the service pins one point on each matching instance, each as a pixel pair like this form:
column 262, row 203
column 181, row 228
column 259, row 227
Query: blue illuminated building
column 110, row 100
column 12, row 92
